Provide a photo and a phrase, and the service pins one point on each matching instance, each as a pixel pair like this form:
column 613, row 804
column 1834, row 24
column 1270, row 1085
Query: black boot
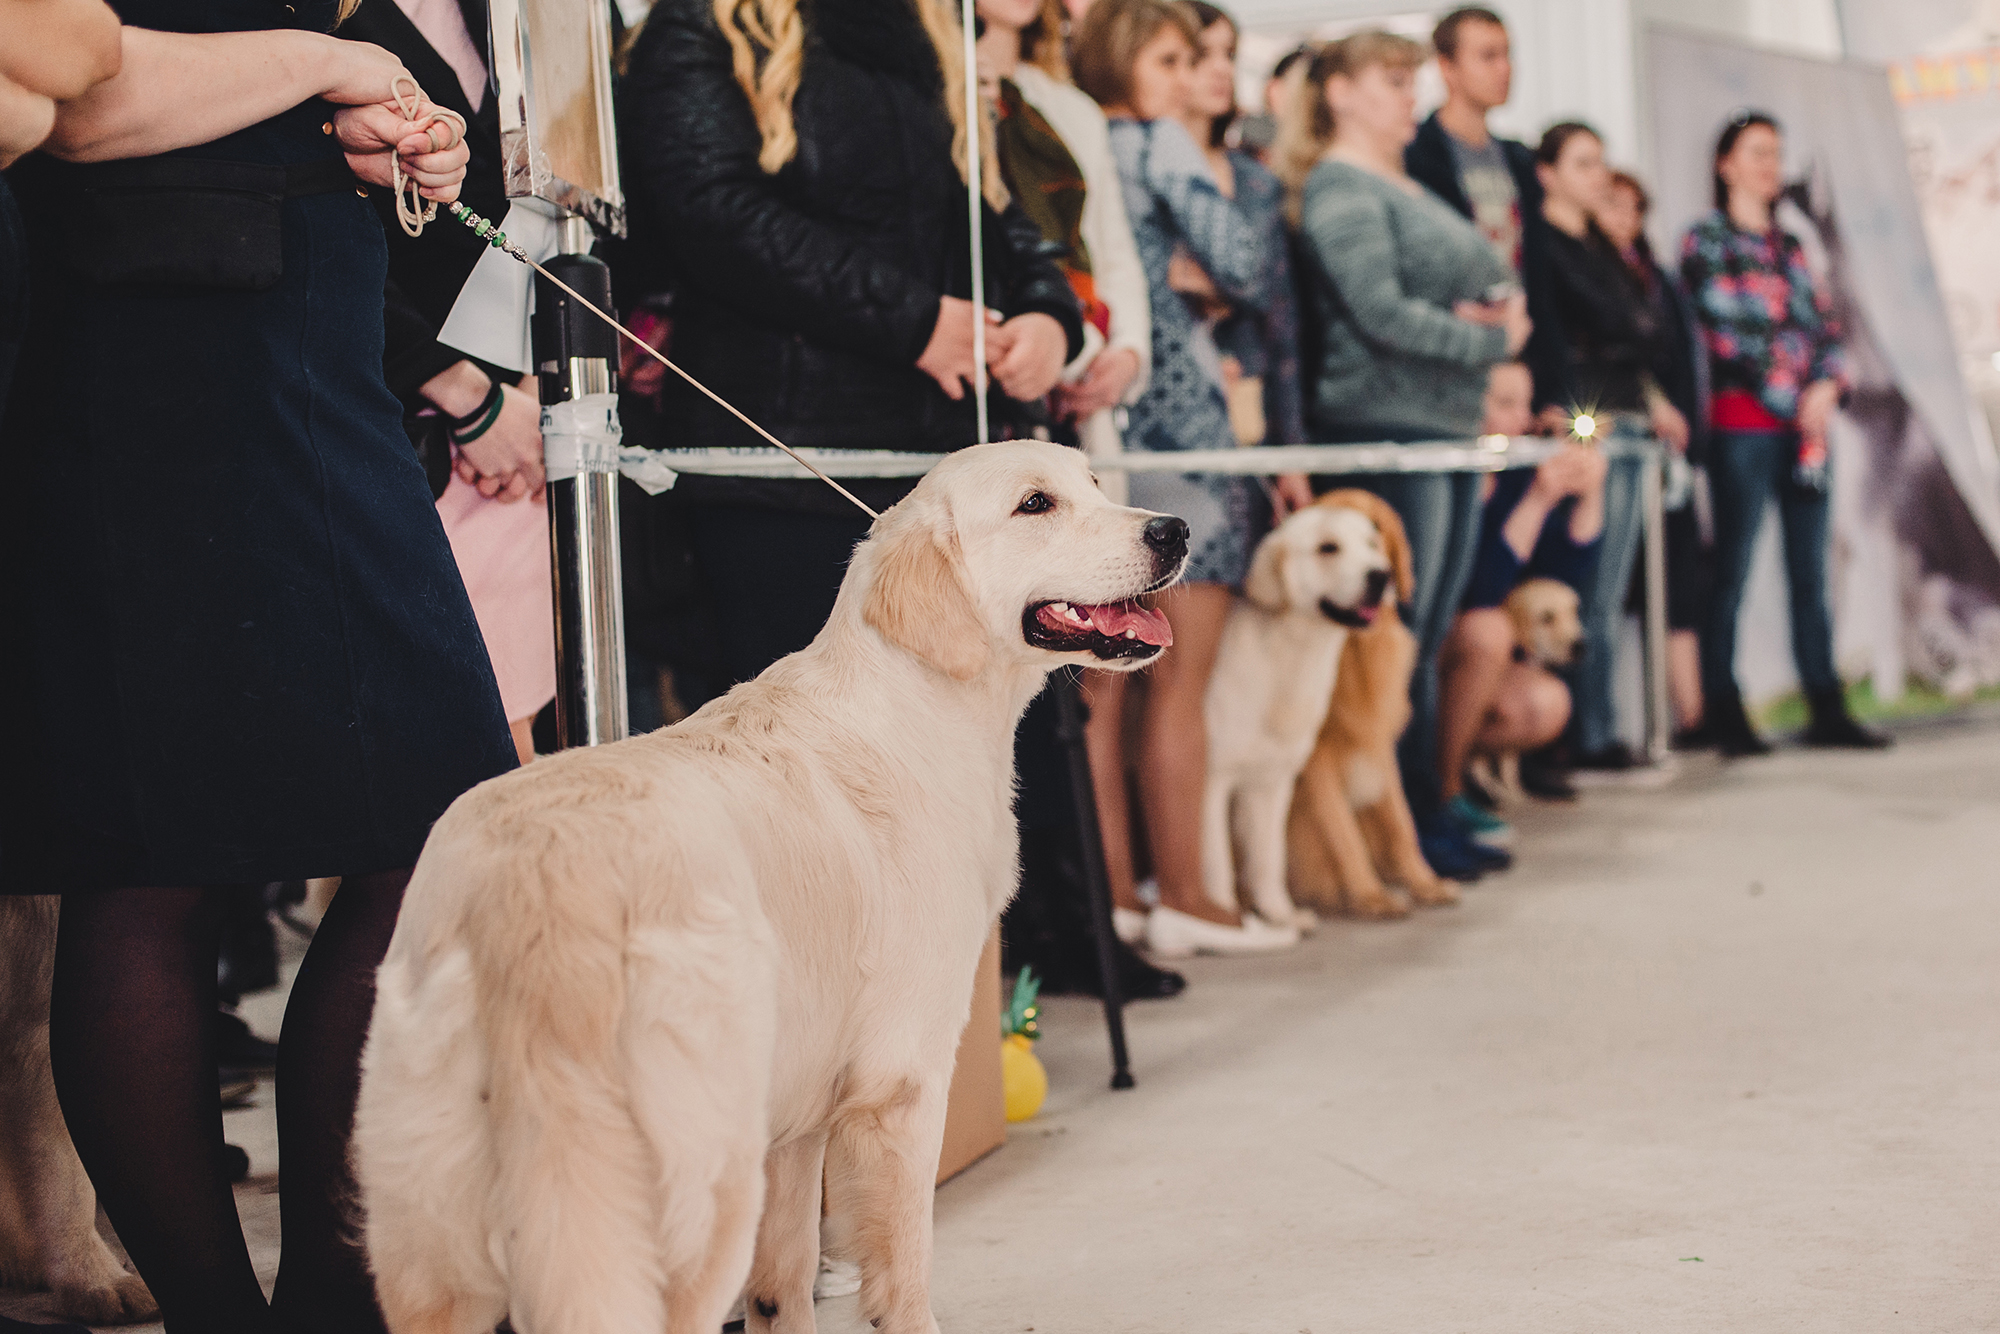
column 1729, row 729
column 1833, row 726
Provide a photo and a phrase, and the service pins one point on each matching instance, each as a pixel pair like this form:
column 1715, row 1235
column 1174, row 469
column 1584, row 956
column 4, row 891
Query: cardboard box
column 975, row 1117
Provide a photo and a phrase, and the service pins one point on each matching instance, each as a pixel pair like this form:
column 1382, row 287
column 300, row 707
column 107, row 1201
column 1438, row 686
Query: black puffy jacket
column 805, row 297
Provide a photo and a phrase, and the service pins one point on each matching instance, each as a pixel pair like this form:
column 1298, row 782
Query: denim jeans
column 1745, row 469
column 1603, row 605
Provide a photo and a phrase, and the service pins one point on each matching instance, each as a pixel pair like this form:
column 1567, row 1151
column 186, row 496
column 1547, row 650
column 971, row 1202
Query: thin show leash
column 493, row 236
column 413, row 211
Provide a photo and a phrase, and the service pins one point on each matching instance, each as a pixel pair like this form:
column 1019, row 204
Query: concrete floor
column 1721, row 1056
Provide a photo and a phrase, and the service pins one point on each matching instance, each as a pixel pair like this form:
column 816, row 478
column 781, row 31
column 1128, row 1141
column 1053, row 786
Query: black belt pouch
column 187, row 222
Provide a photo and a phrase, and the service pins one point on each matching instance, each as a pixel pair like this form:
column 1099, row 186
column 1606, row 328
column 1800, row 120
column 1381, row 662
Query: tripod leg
column 1069, row 729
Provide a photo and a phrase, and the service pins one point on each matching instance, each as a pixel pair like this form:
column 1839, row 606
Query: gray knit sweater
column 1388, row 266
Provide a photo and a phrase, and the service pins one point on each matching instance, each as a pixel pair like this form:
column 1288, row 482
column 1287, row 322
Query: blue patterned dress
column 1266, row 342
column 1172, row 199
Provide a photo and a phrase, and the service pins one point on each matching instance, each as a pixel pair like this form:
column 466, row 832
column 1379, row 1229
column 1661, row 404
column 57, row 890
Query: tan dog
column 1350, row 826
column 48, row 1211
column 1318, row 577
column 641, row 995
column 1546, row 620
column 1548, row 630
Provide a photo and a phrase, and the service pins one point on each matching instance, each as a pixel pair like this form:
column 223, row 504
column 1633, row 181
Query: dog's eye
column 1329, row 548
column 1036, row 503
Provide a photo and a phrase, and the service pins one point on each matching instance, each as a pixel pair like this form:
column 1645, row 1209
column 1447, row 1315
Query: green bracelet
column 466, row 429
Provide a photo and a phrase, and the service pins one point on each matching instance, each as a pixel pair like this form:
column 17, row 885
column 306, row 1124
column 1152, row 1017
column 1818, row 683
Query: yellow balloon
column 1022, row 1080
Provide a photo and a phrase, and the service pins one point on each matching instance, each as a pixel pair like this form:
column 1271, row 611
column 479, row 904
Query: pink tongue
column 1114, row 619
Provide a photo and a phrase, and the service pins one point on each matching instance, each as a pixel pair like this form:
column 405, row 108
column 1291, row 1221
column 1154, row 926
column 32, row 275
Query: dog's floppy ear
column 920, row 600
column 1397, row 543
column 1265, row 584
column 1394, row 540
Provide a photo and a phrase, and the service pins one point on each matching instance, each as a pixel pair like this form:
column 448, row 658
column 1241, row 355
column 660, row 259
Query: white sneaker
column 1171, row 934
column 1130, row 926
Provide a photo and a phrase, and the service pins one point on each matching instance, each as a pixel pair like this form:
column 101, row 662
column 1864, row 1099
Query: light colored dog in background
column 1321, row 574
column 48, row 1210
column 641, row 995
column 1548, row 631
column 1350, row 829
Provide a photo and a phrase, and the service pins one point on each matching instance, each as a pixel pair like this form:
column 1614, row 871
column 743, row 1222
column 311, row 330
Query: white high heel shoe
column 1130, row 926
column 1171, row 934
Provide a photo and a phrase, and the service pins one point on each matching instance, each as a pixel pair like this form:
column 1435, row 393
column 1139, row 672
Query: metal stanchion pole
column 1659, row 717
column 1068, row 687
column 577, row 355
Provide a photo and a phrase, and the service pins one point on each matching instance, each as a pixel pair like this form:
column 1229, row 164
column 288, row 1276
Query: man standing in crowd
column 1492, row 180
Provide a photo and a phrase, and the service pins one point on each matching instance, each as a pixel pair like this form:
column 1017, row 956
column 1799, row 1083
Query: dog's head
column 1546, row 623
column 1009, row 552
column 1335, row 559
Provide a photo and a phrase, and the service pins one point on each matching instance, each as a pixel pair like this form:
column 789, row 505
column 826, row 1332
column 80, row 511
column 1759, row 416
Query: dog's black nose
column 1168, row 536
column 1378, row 584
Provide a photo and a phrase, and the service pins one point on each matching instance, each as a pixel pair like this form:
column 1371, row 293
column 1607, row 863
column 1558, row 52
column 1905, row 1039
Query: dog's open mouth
column 1354, row 618
column 1110, row 630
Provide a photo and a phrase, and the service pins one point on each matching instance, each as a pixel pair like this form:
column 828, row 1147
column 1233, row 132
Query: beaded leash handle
column 412, row 209
column 493, row 236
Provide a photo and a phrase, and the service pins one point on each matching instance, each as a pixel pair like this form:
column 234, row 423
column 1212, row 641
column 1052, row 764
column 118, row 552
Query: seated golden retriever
column 641, row 996
column 1317, row 577
column 1349, row 828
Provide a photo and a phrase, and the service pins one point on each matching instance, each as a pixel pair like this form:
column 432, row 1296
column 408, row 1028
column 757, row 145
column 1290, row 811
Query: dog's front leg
column 881, row 1175
column 1260, row 816
column 779, row 1299
column 1361, row 889
column 1395, row 829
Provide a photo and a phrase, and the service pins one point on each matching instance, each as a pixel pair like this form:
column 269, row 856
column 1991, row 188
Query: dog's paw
column 1437, row 892
column 1381, row 906
column 126, row 1301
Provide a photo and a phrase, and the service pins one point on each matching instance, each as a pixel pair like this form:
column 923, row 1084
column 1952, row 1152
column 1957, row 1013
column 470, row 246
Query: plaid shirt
column 1767, row 329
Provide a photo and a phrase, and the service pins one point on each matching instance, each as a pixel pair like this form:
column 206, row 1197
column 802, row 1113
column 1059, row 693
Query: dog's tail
column 563, row 1121
column 629, row 1069
column 575, row 1190
column 423, row 1155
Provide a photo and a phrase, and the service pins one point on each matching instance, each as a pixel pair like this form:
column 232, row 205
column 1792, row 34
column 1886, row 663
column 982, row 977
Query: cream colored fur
column 48, row 1211
column 641, row 995
column 1273, row 680
column 1350, row 827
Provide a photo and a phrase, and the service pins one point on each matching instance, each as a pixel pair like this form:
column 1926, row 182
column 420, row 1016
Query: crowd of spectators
column 279, row 568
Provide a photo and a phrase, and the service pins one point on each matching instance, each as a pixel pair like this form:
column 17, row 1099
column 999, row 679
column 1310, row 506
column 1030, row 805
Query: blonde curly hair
column 775, row 28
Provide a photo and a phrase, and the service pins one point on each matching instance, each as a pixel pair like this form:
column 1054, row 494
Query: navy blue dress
column 242, row 651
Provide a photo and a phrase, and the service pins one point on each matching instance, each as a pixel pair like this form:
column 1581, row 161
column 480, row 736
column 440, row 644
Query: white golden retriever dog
column 1322, row 572
column 639, row 995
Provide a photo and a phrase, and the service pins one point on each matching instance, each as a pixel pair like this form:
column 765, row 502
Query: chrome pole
column 577, row 356
column 1659, row 715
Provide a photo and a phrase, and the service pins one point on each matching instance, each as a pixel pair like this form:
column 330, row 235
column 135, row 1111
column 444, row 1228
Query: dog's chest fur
column 1274, row 677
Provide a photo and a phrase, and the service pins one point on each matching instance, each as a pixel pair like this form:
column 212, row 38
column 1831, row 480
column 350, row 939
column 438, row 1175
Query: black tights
column 132, row 1042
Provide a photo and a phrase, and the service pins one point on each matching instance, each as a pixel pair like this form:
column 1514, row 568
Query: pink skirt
column 503, row 556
